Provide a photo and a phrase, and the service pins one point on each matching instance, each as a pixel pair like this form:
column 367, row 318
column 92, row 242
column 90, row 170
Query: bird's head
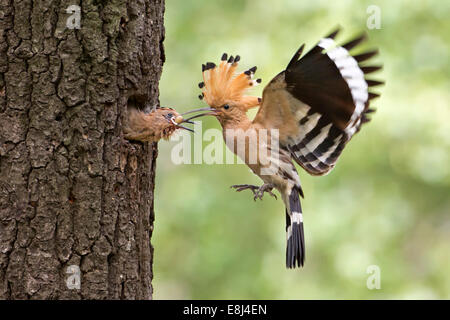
column 223, row 89
column 170, row 121
column 159, row 123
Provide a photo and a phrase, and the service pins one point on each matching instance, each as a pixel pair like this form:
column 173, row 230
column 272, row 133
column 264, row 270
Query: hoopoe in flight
column 315, row 105
column 151, row 127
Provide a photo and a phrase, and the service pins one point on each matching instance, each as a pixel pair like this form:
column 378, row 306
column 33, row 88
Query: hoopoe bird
column 151, row 127
column 315, row 106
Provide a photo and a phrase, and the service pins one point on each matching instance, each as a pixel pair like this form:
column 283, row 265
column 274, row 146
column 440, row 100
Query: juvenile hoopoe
column 151, row 127
column 315, row 106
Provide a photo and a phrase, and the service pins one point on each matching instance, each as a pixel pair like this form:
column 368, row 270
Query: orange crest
column 221, row 85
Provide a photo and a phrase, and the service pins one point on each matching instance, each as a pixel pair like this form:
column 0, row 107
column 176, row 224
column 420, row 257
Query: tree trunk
column 74, row 195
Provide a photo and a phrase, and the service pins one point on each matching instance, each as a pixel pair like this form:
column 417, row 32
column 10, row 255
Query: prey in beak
column 160, row 123
column 177, row 120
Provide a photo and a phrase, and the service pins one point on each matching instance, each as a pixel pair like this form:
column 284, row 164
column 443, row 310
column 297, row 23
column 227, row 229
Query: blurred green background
column 387, row 201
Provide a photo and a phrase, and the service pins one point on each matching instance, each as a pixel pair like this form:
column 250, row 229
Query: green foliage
column 386, row 203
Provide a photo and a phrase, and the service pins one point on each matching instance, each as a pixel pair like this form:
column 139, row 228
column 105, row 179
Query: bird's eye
column 170, row 115
column 226, row 107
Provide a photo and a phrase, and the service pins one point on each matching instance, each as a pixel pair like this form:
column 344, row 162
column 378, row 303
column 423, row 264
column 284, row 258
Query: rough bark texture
column 72, row 190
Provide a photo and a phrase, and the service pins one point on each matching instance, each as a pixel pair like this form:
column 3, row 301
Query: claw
column 273, row 195
column 241, row 187
column 258, row 192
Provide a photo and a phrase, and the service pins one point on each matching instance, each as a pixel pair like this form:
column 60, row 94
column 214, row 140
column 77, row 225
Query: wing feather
column 319, row 102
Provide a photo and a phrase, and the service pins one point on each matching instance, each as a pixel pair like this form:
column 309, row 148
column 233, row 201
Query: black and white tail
column 295, row 249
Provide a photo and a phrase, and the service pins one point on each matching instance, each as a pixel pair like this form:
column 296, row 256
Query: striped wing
column 319, row 102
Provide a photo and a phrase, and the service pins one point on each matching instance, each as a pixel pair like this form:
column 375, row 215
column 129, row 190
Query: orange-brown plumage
column 160, row 123
column 221, row 85
column 314, row 106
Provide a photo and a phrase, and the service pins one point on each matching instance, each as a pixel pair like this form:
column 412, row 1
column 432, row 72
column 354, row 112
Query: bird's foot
column 258, row 192
column 241, row 187
column 266, row 187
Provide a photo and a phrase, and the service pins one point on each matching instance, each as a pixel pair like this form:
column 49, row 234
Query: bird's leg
column 266, row 187
column 258, row 192
column 240, row 187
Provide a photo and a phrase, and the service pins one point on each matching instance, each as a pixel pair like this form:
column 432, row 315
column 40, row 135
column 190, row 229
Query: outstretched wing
column 319, row 102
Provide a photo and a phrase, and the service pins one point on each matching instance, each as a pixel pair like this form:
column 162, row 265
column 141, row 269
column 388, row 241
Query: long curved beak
column 197, row 110
column 201, row 115
column 185, row 128
column 210, row 112
column 178, row 121
column 187, row 121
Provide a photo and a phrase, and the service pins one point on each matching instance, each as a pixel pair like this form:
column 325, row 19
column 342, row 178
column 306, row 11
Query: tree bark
column 73, row 192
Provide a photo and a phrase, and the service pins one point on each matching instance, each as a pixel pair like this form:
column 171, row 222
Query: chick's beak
column 178, row 120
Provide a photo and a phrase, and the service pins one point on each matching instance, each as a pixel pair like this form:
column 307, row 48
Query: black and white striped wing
column 328, row 99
